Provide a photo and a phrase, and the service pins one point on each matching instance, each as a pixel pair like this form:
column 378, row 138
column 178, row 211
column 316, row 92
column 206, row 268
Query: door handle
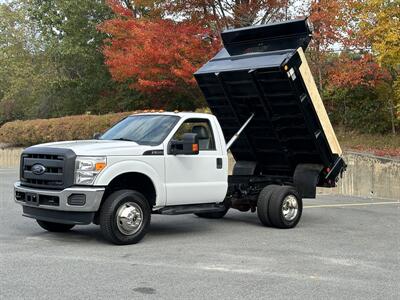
column 219, row 163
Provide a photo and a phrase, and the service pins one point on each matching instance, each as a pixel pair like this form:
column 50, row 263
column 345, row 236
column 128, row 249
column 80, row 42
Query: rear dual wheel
column 279, row 206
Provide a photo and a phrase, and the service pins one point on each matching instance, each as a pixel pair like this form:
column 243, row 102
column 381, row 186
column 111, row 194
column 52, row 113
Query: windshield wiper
column 123, row 139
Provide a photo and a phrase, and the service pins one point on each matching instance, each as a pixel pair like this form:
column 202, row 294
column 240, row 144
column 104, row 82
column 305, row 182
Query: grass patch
column 377, row 144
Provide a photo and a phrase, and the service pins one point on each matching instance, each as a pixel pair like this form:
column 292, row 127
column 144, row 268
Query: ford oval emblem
column 38, row 169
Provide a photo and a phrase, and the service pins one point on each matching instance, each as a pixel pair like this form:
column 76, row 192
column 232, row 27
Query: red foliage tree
column 349, row 72
column 336, row 30
column 157, row 56
column 328, row 20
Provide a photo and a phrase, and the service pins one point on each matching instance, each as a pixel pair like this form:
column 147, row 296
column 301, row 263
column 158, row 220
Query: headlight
column 87, row 168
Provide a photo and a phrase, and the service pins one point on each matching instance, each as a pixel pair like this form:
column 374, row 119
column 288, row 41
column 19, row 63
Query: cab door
column 197, row 178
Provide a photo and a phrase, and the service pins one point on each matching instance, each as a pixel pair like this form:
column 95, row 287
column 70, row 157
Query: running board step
column 191, row 209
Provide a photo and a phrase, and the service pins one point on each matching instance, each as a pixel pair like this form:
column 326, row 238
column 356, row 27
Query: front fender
column 119, row 168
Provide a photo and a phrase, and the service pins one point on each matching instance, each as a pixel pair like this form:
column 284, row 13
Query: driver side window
column 202, row 128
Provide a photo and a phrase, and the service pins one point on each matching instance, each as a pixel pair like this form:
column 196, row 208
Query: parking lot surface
column 342, row 248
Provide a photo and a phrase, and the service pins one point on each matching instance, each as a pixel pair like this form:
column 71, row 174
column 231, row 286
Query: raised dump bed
column 263, row 70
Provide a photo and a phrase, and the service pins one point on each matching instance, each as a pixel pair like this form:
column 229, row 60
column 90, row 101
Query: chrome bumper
column 93, row 196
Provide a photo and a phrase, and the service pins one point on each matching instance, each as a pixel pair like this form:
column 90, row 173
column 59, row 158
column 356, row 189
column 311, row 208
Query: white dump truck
column 264, row 102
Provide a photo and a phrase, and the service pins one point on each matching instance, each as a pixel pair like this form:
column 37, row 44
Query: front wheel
column 125, row 217
column 54, row 227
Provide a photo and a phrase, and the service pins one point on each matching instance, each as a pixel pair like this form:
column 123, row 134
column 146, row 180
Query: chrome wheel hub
column 290, row 208
column 129, row 218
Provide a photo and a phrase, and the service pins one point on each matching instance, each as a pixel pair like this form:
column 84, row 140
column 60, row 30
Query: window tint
column 203, row 130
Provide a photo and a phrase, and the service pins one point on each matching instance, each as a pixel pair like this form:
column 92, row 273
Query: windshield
column 142, row 129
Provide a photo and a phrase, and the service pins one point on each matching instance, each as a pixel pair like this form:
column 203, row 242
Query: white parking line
column 351, row 204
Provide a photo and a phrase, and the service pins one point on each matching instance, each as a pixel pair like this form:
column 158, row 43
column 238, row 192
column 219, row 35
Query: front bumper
column 56, row 205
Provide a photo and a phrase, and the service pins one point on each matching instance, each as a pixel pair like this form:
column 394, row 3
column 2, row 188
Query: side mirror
column 189, row 145
column 97, row 135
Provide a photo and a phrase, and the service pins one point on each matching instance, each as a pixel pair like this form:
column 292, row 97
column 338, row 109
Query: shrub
column 31, row 132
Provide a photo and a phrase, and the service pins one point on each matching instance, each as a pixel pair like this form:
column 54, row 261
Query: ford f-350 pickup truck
column 264, row 102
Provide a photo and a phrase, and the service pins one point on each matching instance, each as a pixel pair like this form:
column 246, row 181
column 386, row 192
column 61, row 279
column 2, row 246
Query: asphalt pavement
column 343, row 248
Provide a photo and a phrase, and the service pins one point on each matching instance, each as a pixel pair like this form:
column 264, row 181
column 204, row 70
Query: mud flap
column 305, row 179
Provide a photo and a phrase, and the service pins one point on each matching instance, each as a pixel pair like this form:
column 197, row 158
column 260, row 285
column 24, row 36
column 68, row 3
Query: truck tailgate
column 263, row 70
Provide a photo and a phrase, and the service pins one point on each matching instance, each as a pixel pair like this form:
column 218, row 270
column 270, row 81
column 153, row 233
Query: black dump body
column 258, row 72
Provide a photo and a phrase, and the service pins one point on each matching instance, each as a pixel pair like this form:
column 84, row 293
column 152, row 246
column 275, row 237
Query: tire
column 213, row 215
column 263, row 204
column 285, row 196
column 54, row 227
column 125, row 217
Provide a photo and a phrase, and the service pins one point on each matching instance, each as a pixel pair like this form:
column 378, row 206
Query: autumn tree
column 371, row 34
column 156, row 46
column 352, row 70
column 157, row 57
column 354, row 91
column 380, row 25
column 328, row 19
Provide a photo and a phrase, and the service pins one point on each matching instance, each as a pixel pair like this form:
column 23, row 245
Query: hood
column 100, row 147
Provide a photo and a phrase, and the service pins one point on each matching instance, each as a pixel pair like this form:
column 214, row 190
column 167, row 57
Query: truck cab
column 264, row 103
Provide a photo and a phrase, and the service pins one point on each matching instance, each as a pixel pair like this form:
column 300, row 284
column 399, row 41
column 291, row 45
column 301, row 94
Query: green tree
column 24, row 68
column 51, row 61
column 72, row 41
